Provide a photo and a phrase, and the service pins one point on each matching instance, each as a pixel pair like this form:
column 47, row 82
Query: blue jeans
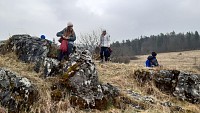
column 104, row 53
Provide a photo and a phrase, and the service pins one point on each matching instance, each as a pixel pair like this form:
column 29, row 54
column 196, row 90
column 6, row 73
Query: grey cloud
column 123, row 19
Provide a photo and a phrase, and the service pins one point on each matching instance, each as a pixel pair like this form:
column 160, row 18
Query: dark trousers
column 62, row 55
column 67, row 53
column 104, row 53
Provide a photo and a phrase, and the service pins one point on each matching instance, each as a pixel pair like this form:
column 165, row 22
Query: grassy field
column 119, row 75
column 186, row 61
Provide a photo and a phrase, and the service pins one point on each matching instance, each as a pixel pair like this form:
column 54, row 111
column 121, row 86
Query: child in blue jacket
column 151, row 60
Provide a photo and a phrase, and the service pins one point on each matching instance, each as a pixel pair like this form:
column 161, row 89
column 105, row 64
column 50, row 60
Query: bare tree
column 90, row 41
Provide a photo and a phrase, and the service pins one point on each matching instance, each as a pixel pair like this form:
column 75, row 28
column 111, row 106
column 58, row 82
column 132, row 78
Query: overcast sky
column 123, row 19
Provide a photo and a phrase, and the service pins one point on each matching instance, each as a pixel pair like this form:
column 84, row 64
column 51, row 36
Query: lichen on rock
column 40, row 52
column 16, row 93
column 80, row 78
column 183, row 85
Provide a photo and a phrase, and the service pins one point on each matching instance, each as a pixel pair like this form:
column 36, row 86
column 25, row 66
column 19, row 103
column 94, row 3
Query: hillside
column 32, row 80
column 119, row 75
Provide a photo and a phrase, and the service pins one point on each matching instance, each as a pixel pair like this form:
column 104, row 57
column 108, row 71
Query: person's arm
column 60, row 34
column 72, row 37
column 155, row 62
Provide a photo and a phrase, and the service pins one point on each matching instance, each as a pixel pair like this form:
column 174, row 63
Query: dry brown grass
column 176, row 60
column 120, row 75
column 10, row 62
column 2, row 110
column 44, row 104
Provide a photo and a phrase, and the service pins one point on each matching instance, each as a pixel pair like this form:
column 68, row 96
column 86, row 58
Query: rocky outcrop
column 80, row 79
column 28, row 49
column 141, row 102
column 51, row 66
column 183, row 85
column 2, row 43
column 16, row 93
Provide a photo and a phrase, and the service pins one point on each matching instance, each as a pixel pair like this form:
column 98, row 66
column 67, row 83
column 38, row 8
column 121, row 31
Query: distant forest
column 169, row 42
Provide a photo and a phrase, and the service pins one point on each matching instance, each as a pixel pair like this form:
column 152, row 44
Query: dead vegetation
column 120, row 75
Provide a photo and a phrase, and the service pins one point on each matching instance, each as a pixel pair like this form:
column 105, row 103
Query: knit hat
column 42, row 37
column 69, row 24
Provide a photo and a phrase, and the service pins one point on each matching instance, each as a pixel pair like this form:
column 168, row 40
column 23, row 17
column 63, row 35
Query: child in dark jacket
column 151, row 60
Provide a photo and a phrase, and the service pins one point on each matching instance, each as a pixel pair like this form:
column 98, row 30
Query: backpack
column 110, row 50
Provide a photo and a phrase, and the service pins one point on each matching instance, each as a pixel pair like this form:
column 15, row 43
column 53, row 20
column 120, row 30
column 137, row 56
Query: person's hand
column 65, row 37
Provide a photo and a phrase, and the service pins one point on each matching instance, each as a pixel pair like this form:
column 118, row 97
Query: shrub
column 121, row 59
column 53, row 51
column 133, row 58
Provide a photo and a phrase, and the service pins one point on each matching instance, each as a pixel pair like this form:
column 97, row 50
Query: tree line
column 169, row 42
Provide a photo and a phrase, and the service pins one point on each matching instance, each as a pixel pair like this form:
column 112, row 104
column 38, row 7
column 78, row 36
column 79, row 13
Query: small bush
column 121, row 59
column 53, row 51
column 6, row 46
column 133, row 58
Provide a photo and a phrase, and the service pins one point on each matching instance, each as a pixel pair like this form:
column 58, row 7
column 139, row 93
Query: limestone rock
column 28, row 49
column 16, row 93
column 183, row 85
column 80, row 77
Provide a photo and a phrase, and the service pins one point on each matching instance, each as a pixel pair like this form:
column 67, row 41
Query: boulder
column 2, row 43
column 28, row 49
column 183, row 85
column 16, row 93
column 141, row 102
column 80, row 78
